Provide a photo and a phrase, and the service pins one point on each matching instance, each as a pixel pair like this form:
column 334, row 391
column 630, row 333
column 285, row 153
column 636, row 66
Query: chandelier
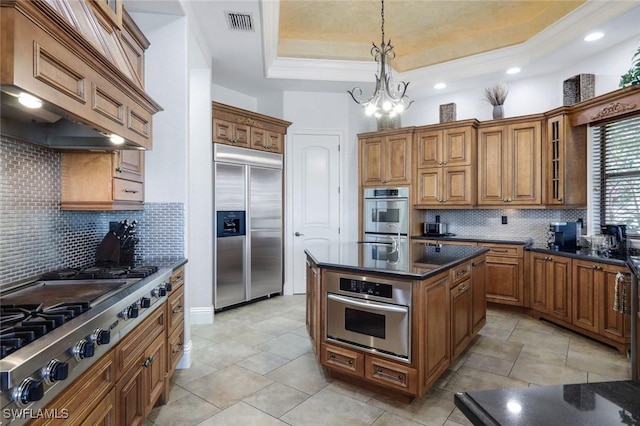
column 386, row 100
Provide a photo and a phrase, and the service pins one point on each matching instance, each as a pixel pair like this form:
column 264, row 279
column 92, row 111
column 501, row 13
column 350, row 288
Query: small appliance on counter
column 617, row 237
column 562, row 235
column 118, row 246
column 434, row 229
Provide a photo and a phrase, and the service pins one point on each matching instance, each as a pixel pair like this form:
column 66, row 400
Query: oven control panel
column 366, row 287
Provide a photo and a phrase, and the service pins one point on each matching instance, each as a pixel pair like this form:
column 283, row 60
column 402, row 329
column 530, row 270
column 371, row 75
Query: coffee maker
column 562, row 235
column 619, row 233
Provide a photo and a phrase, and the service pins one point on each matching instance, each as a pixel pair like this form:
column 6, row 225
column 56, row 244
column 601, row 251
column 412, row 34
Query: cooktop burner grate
column 22, row 324
column 97, row 272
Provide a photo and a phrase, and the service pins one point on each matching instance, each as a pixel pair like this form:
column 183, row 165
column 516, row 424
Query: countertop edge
column 397, row 274
column 472, row 239
column 616, row 262
column 476, row 414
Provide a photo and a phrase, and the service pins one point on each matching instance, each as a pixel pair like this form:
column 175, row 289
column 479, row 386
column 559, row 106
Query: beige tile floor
column 254, row 366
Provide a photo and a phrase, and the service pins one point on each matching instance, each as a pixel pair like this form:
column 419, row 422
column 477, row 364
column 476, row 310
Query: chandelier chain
column 382, row 26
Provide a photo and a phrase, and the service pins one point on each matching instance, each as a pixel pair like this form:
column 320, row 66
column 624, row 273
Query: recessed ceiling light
column 513, row 70
column 594, row 36
column 440, row 86
column 29, row 101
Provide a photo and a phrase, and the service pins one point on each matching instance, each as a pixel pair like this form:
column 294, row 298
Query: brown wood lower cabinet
column 313, row 306
column 579, row 294
column 434, row 329
column 505, row 274
column 90, row 400
column 141, row 368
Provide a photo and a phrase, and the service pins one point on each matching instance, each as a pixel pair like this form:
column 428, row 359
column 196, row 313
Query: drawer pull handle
column 178, row 348
column 147, row 362
column 461, row 272
column 399, row 378
column 177, row 309
column 131, row 191
column 462, row 288
column 500, row 250
column 340, row 361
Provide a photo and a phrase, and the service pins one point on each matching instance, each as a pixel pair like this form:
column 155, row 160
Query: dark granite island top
column 415, row 261
column 597, row 404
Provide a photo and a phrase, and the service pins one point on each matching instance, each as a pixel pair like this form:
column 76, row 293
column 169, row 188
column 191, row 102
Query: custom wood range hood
column 84, row 59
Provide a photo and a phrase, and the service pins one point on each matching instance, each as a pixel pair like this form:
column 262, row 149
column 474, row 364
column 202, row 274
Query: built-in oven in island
column 369, row 313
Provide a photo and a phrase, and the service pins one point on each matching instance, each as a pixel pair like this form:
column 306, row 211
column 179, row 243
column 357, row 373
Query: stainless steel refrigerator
column 248, row 225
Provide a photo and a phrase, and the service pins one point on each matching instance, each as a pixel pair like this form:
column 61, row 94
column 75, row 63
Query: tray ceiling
column 424, row 32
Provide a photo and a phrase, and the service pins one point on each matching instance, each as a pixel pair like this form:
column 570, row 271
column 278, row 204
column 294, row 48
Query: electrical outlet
column 504, row 220
column 437, row 218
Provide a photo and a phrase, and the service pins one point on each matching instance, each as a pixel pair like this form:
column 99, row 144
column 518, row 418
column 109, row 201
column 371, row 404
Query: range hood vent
column 91, row 91
column 237, row 21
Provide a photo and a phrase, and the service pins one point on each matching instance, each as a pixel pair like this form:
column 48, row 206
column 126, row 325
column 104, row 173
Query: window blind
column 616, row 174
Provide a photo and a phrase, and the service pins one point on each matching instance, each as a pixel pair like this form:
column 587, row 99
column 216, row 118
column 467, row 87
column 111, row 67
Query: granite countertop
column 476, row 238
column 606, row 403
column 584, row 254
column 411, row 261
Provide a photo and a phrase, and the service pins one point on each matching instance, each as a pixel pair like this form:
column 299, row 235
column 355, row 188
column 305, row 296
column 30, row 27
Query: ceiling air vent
column 239, row 21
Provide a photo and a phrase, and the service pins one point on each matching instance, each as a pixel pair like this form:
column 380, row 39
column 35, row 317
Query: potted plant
column 496, row 96
column 632, row 77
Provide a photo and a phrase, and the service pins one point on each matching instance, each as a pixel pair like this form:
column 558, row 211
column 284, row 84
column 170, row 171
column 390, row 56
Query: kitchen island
column 393, row 317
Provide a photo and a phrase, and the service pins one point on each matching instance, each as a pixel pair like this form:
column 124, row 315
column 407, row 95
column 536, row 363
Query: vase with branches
column 496, row 96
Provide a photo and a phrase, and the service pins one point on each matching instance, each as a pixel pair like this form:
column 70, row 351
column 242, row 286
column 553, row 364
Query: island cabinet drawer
column 177, row 278
column 504, row 250
column 344, row 360
column 175, row 310
column 460, row 273
column 390, row 374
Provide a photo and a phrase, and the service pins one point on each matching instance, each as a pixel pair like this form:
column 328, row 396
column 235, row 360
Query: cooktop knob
column 168, row 286
column 55, row 371
column 83, row 349
column 28, row 391
column 145, row 302
column 101, row 337
column 159, row 291
column 133, row 311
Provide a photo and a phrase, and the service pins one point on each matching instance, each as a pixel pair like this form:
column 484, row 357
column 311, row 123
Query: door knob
column 297, row 234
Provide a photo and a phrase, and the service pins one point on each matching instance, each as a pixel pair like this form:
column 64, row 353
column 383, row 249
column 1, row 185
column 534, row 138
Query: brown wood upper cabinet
column 565, row 162
column 103, row 180
column 385, row 158
column 509, row 162
column 247, row 129
column 445, row 165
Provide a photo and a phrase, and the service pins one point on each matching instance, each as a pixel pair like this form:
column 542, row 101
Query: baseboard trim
column 201, row 315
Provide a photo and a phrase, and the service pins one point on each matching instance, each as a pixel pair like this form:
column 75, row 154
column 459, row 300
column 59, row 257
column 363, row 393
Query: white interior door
column 315, row 198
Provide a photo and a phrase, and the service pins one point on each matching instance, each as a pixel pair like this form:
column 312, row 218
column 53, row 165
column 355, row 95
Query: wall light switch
column 504, row 220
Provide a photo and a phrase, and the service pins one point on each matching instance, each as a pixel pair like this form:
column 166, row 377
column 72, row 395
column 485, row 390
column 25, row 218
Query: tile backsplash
column 520, row 223
column 36, row 236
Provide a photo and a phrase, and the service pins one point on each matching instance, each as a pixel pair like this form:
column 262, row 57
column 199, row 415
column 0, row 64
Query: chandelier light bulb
column 386, row 105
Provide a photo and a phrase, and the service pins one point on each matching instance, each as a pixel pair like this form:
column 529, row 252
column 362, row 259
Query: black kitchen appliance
column 562, row 235
column 118, row 246
column 619, row 233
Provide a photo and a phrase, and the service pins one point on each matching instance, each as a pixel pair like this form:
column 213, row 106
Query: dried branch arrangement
column 496, row 95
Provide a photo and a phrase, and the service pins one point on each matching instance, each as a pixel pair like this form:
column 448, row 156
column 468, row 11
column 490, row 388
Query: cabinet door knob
column 119, row 169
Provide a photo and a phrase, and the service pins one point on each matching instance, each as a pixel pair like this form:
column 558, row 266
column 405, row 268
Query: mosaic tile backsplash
column 520, row 223
column 36, row 236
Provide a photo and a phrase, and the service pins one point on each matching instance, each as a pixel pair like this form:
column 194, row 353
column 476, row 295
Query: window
column 616, row 174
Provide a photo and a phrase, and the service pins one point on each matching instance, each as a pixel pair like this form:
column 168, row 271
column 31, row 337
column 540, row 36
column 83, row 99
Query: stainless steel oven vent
column 237, row 21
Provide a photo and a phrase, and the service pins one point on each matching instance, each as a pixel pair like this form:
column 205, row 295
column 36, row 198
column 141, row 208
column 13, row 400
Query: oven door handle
column 370, row 304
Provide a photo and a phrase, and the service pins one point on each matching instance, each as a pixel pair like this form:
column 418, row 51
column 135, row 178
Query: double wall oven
column 369, row 313
column 385, row 227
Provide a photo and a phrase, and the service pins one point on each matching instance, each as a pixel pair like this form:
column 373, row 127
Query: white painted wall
column 231, row 97
column 166, row 81
column 526, row 96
